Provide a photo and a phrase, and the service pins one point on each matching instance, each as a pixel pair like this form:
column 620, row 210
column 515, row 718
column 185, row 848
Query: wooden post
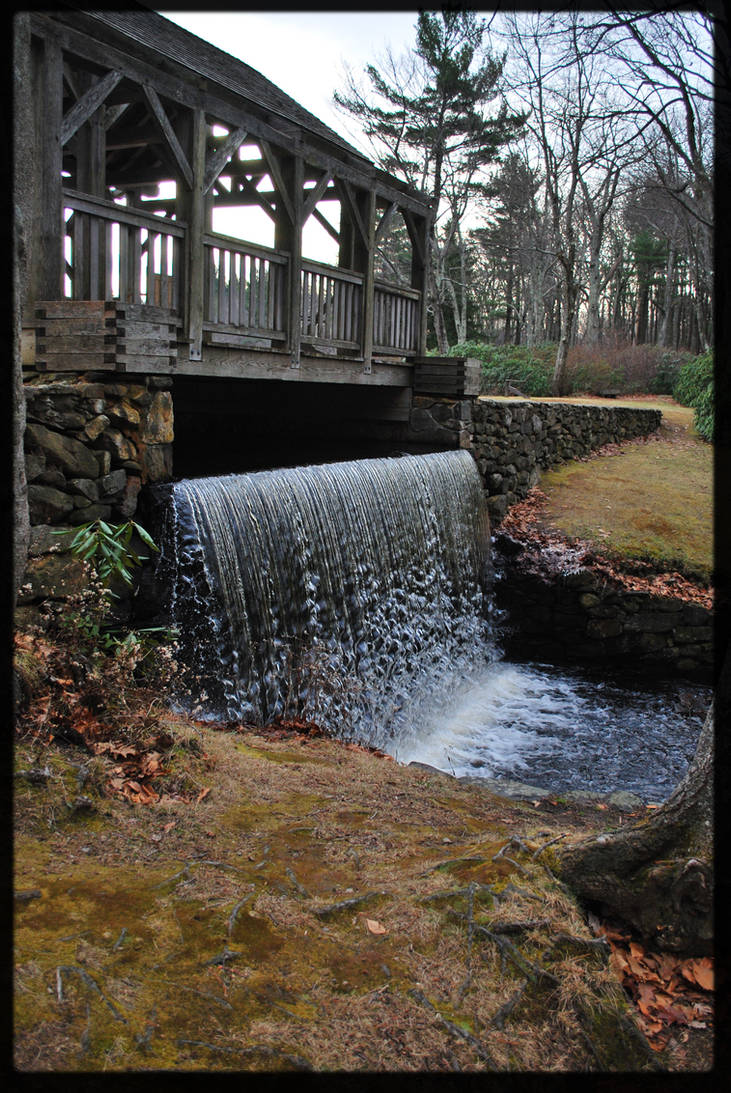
column 288, row 236
column 91, row 260
column 193, row 203
column 363, row 262
column 47, row 241
column 418, row 229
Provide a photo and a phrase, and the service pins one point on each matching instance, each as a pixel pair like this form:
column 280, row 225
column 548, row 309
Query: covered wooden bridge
column 143, row 135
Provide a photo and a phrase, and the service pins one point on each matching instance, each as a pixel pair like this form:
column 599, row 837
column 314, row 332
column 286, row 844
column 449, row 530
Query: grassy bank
column 650, row 499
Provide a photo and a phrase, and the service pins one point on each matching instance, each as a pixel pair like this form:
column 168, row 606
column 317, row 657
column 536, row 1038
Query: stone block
column 52, row 476
column 113, row 483
column 604, row 628
column 42, row 540
column 73, row 457
column 35, row 465
column 104, row 462
column 94, row 428
column 128, row 504
column 118, row 445
column 53, row 577
column 157, row 425
column 47, row 505
column 124, row 412
column 158, row 462
column 87, row 487
column 88, row 515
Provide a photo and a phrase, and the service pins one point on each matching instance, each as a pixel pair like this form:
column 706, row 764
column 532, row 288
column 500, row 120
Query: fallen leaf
column 202, row 795
column 375, row 927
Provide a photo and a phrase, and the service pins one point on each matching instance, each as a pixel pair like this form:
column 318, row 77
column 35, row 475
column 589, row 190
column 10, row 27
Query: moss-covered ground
column 319, row 908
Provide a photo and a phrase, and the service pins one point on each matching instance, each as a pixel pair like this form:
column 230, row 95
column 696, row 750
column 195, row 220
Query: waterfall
column 348, row 594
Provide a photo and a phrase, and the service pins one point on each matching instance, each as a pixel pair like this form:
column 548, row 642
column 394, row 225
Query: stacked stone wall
column 90, row 445
column 579, row 619
column 513, row 441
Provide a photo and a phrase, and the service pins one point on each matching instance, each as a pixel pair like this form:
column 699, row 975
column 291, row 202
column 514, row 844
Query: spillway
column 347, row 594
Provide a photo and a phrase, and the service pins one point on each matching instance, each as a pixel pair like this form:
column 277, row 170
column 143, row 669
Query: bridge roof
column 151, row 30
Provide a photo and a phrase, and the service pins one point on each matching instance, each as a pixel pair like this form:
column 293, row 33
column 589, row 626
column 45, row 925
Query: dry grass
column 650, row 499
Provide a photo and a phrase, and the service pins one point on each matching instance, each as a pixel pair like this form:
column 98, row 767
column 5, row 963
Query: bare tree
column 435, row 119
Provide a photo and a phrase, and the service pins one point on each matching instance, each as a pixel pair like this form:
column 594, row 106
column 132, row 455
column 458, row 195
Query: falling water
column 354, row 595
column 345, row 593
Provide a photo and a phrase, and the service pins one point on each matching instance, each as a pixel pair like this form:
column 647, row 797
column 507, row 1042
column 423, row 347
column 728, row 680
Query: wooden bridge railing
column 245, row 291
column 396, row 318
column 115, row 253
column 331, row 305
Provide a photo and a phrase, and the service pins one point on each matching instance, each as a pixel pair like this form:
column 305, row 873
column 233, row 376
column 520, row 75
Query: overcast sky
column 305, row 53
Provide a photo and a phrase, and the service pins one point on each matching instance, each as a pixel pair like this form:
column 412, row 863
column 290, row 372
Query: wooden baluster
column 262, row 309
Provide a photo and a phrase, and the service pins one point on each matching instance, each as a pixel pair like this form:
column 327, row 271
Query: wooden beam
column 267, row 365
column 275, row 170
column 326, row 225
column 88, row 104
column 347, row 191
column 168, row 133
column 114, row 113
column 220, row 157
column 314, row 195
column 256, row 198
column 385, row 220
column 295, row 263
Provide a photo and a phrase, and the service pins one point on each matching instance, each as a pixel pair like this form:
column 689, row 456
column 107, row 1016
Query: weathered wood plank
column 260, row 364
column 76, row 343
column 73, row 309
column 82, row 110
column 220, row 157
column 79, row 362
column 170, row 136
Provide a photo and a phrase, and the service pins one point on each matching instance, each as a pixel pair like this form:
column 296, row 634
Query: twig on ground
column 507, row 1007
column 546, row 845
column 478, row 1045
column 236, row 911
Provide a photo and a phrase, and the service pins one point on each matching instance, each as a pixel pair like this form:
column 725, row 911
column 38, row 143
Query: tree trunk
column 21, row 219
column 657, row 874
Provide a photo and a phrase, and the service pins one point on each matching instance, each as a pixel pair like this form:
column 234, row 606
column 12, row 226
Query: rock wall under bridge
column 94, row 442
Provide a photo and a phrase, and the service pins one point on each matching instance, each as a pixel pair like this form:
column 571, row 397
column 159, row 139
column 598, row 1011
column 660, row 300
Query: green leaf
column 146, row 537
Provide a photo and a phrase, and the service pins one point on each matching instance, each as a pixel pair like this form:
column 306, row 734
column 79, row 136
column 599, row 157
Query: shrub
column 694, row 387
column 528, row 368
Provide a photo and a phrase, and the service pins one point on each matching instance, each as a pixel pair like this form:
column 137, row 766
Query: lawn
column 650, row 499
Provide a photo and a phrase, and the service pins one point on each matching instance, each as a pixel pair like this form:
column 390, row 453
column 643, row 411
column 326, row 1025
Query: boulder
column 73, row 457
column 53, row 577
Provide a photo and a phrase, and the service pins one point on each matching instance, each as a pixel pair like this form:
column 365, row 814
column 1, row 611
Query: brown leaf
column 375, row 927
column 646, row 999
column 202, row 796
